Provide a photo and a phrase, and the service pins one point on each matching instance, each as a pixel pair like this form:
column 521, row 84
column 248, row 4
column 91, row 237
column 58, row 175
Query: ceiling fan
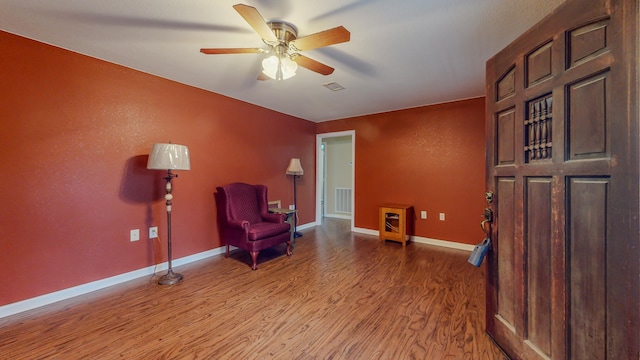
column 284, row 45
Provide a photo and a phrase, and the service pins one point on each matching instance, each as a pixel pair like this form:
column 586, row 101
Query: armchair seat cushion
column 263, row 230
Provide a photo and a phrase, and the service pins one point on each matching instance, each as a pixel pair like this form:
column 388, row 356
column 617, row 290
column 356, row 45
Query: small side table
column 291, row 215
column 394, row 222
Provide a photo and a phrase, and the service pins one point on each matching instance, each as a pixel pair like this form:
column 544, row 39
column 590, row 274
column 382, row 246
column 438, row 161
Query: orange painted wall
column 75, row 133
column 431, row 157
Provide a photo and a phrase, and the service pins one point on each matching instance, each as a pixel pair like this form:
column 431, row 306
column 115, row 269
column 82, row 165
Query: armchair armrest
column 239, row 224
column 275, row 218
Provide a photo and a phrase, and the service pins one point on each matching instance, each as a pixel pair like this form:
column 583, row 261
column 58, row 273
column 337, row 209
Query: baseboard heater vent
column 343, row 200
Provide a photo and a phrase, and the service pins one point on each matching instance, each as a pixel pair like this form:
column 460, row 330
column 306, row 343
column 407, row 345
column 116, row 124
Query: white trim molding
column 423, row 240
column 307, row 226
column 338, row 216
column 366, row 231
column 47, row 299
column 443, row 243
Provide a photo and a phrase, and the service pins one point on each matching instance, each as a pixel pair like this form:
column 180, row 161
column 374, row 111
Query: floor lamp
column 169, row 157
column 295, row 169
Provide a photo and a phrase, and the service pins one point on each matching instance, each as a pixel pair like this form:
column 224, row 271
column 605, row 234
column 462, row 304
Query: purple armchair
column 245, row 222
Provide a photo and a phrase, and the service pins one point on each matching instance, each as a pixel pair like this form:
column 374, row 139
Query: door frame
column 320, row 172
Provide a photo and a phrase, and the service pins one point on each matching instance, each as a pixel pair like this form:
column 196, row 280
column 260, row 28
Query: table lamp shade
column 294, row 167
column 169, row 157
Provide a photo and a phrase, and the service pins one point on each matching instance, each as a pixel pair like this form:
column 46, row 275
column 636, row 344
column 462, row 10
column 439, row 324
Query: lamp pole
column 295, row 169
column 170, row 277
column 296, row 234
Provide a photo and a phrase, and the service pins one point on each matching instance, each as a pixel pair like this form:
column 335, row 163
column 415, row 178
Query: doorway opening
column 335, row 176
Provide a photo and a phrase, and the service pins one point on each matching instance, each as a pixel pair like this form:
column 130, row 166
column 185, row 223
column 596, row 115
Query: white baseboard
column 46, row 299
column 366, row 231
column 338, row 216
column 443, row 243
column 32, row 303
column 307, row 226
column 423, row 240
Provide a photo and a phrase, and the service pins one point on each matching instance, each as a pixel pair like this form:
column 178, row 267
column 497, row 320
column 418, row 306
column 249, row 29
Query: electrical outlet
column 153, row 232
column 441, row 216
column 292, row 207
column 134, row 235
column 423, row 214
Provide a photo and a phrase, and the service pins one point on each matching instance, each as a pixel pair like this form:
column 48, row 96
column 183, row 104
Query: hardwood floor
column 340, row 296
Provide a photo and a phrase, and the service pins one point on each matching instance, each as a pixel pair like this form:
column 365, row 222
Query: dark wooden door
column 562, row 162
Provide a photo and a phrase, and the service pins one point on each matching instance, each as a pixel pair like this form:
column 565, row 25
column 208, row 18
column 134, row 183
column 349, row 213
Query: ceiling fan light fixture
column 279, row 68
column 283, row 42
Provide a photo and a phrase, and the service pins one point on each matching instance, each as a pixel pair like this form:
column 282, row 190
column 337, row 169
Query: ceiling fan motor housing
column 285, row 33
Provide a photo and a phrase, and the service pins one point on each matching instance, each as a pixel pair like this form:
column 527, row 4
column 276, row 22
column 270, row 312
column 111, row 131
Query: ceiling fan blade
column 324, row 38
column 313, row 65
column 231, row 51
column 263, row 77
column 253, row 17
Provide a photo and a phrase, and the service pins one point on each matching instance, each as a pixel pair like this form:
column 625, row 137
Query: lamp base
column 169, row 278
column 297, row 234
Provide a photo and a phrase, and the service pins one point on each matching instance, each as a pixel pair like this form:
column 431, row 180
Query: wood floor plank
column 340, row 296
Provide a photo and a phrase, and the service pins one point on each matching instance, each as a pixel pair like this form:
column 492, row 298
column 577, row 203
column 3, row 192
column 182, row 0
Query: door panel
column 505, row 250
column 562, row 160
column 506, row 136
column 538, row 64
column 506, row 86
column 587, row 120
column 588, row 236
column 587, row 41
column 539, row 269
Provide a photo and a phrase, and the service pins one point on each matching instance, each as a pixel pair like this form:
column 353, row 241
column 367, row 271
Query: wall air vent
column 333, row 86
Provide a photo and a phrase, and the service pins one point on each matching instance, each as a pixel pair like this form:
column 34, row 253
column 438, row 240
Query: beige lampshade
column 169, row 157
column 294, row 167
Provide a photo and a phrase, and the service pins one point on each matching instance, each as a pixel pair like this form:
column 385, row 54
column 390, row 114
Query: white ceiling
column 402, row 53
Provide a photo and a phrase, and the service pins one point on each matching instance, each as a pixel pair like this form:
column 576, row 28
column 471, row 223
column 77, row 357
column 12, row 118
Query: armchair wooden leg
column 227, row 254
column 289, row 248
column 254, row 258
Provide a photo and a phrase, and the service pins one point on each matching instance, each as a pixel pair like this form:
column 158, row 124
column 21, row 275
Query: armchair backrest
column 244, row 201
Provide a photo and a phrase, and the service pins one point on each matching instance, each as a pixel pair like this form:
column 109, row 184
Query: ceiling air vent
column 333, row 86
